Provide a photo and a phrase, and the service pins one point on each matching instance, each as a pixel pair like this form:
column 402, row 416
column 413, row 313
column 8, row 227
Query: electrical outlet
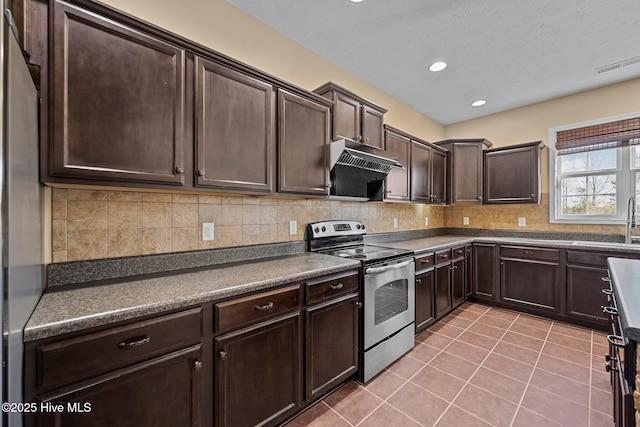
column 208, row 231
column 522, row 222
column 426, row 220
column 465, row 220
column 293, row 227
column 395, row 222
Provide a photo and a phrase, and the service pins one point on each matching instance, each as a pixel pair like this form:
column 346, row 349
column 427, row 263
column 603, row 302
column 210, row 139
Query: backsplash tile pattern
column 96, row 224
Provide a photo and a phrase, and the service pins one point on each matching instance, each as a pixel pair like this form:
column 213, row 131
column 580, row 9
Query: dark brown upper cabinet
column 117, row 103
column 512, row 174
column 465, row 170
column 303, row 135
column 354, row 117
column 398, row 179
column 428, row 173
column 235, row 129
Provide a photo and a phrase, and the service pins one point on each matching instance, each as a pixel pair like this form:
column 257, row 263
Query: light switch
column 426, row 220
column 522, row 222
column 395, row 222
column 465, row 220
column 293, row 227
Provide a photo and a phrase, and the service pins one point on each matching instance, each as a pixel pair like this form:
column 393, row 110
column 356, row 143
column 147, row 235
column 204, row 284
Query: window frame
column 625, row 178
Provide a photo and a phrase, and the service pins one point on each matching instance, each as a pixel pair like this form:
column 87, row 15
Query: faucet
column 631, row 218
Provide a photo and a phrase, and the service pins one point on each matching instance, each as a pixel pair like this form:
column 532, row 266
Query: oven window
column 391, row 300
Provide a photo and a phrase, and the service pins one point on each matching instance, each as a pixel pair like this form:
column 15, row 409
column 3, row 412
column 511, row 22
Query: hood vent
column 365, row 161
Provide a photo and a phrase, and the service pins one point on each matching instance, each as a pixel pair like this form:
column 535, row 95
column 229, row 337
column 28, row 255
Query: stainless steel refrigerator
column 22, row 207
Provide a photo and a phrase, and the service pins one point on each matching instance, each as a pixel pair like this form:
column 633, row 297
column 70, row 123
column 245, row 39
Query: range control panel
column 336, row 228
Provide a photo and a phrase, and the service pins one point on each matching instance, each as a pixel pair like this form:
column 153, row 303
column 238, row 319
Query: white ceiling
column 509, row 52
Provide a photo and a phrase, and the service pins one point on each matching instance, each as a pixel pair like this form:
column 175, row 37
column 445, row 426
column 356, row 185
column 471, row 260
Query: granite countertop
column 66, row 309
column 625, row 274
column 428, row 244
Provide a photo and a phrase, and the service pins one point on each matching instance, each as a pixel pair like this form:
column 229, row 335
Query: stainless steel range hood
column 358, row 170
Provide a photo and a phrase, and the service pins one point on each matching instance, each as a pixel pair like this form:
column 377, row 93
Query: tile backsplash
column 94, row 224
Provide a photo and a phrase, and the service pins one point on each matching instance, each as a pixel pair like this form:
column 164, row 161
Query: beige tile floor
column 482, row 366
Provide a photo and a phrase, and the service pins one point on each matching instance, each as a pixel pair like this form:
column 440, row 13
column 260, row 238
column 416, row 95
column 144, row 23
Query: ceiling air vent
column 618, row 65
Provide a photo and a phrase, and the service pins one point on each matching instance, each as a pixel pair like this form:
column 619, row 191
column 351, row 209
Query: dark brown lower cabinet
column 425, row 315
column 165, row 391
column 485, row 271
column 458, row 292
column 530, row 277
column 443, row 289
column 258, row 373
column 468, row 271
column 331, row 344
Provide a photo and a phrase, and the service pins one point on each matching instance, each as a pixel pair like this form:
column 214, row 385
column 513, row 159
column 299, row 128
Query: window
column 593, row 169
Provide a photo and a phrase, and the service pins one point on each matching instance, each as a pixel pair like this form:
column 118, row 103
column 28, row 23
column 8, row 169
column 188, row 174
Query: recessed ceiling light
column 356, row 1
column 478, row 103
column 437, row 66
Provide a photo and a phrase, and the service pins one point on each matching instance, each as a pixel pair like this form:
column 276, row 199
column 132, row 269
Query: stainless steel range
column 387, row 291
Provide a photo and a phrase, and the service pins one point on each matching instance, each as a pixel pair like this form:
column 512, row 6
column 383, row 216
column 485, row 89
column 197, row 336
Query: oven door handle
column 376, row 270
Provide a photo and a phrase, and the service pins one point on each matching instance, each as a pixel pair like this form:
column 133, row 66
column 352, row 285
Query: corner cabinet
column 117, row 103
column 465, row 170
column 303, row 136
column 354, row 117
column 512, row 174
column 235, row 129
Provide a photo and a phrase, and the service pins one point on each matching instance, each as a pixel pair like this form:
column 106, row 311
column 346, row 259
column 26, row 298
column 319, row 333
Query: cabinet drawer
column 88, row 355
column 523, row 252
column 458, row 252
column 425, row 261
column 255, row 308
column 330, row 287
column 443, row 256
column 590, row 258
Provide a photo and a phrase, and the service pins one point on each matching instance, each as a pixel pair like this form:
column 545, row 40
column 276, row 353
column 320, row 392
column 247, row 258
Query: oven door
column 389, row 299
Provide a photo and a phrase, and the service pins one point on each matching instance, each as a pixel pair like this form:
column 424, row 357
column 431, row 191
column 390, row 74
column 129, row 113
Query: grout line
column 526, row 388
column 475, row 372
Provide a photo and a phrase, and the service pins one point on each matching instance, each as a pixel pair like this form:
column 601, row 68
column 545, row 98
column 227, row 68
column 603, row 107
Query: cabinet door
column 438, row 176
column 331, row 344
column 443, row 290
column 397, row 187
column 303, row 135
column 535, row 284
column 485, row 272
column 420, row 172
column 425, row 315
column 372, row 122
column 512, row 175
column 468, row 271
column 258, row 373
column 165, row 391
column 235, row 117
column 346, row 118
column 584, row 293
column 118, row 102
column 466, row 174
column 458, row 292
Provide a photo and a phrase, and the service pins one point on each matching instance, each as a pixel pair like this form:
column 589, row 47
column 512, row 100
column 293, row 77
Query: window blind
column 599, row 137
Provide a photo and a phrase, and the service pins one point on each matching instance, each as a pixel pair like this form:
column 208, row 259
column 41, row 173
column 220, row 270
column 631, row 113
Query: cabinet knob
column 223, row 355
column 200, row 172
column 358, row 304
column 418, row 281
column 610, row 368
column 197, row 365
column 479, row 197
column 366, row 139
column 179, row 170
column 359, row 138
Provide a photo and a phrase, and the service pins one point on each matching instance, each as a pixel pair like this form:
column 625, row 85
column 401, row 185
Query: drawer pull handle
column 134, row 342
column 527, row 252
column 197, row 365
column 616, row 340
column 607, row 291
column 610, row 311
column 337, row 287
column 223, row 355
column 425, row 261
column 358, row 304
column 418, row 281
column 606, row 279
column 264, row 307
column 444, row 255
